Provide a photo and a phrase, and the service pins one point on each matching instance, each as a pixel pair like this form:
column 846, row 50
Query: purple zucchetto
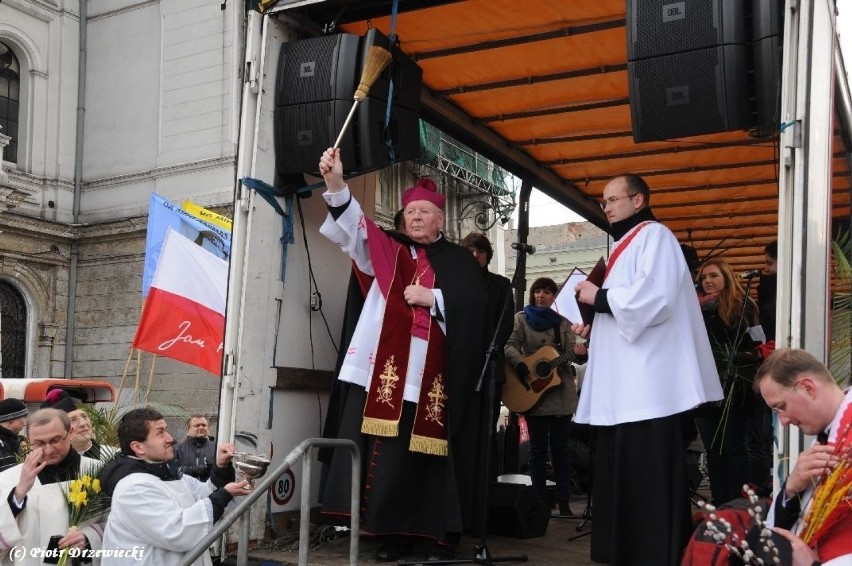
column 59, row 399
column 424, row 189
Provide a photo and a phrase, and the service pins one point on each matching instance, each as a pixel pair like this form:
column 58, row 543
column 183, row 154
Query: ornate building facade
column 147, row 102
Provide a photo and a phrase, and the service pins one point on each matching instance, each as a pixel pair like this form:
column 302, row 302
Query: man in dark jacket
column 501, row 306
column 196, row 454
column 13, row 417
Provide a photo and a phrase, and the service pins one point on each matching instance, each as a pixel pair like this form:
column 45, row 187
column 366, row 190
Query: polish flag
column 184, row 313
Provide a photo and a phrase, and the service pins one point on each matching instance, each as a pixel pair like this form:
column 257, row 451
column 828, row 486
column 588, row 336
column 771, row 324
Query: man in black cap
column 13, row 417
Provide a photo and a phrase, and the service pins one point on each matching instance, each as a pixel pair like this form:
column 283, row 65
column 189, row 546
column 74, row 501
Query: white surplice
column 165, row 519
column 45, row 515
column 651, row 357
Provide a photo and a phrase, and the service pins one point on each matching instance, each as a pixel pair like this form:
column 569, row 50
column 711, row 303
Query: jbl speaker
column 318, row 69
column 687, row 67
column 663, row 27
column 688, row 94
column 315, row 86
column 516, row 511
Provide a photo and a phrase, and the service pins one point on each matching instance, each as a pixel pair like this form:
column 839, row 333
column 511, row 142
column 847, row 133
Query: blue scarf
column 542, row 318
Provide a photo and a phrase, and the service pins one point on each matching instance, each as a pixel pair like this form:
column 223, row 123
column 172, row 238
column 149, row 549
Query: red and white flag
column 184, row 313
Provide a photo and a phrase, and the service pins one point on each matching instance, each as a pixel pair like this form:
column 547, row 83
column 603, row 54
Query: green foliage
column 105, row 419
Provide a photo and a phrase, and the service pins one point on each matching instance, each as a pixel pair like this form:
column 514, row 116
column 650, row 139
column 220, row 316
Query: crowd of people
column 36, row 520
column 669, row 354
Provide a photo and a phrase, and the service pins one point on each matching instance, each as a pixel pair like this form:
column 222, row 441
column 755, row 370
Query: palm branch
column 106, row 417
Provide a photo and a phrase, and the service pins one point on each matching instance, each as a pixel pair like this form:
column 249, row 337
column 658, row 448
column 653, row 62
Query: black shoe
column 564, row 509
column 441, row 552
column 392, row 551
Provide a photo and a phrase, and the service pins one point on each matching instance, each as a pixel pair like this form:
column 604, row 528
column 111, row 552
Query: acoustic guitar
column 521, row 396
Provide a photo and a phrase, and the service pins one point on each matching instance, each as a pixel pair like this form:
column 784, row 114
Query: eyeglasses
column 53, row 442
column 613, row 200
column 781, row 408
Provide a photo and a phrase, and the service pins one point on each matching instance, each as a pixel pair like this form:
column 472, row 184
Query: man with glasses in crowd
column 35, row 506
column 650, row 363
column 802, row 392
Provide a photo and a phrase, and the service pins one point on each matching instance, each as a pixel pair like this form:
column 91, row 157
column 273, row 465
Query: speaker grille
column 304, row 131
column 316, row 69
column 661, row 27
column 688, row 94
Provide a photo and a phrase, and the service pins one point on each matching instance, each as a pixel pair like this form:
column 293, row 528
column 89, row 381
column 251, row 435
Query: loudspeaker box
column 516, row 511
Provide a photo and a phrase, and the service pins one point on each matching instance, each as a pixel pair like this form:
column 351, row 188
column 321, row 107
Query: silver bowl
column 250, row 466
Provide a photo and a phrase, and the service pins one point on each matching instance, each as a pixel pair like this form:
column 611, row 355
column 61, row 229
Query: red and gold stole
column 828, row 518
column 394, row 270
column 613, row 257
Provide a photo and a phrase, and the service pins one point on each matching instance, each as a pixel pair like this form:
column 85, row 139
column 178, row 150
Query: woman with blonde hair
column 728, row 314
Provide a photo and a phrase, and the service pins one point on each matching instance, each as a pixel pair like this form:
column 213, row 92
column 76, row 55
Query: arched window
column 10, row 95
column 13, row 331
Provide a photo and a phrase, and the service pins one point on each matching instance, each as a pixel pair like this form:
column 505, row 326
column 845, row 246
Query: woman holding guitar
column 540, row 351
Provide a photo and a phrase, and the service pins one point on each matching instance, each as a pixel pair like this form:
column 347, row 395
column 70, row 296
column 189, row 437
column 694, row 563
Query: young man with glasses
column 802, row 392
column 650, row 363
column 36, row 485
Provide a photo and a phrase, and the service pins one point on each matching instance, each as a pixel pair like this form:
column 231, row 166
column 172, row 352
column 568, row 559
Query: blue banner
column 161, row 215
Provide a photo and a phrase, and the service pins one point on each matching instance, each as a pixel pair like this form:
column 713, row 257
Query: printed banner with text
column 184, row 313
column 202, row 213
column 161, row 215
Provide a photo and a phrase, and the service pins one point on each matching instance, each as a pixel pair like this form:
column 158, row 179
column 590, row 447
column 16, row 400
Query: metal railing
column 242, row 510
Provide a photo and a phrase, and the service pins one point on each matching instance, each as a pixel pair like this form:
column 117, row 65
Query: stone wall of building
column 161, row 108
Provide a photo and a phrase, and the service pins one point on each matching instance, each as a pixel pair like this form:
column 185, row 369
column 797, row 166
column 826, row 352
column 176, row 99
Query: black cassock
column 406, row 492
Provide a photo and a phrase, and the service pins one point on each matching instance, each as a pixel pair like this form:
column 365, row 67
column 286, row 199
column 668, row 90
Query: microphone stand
column 489, row 370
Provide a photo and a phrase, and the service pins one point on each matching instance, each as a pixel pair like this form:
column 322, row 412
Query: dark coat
column 10, row 448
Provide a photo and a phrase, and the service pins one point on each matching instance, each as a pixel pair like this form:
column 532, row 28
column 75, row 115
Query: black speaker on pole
column 687, row 67
column 516, row 511
column 316, row 80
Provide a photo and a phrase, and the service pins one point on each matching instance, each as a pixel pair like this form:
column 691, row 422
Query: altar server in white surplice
column 157, row 518
column 650, row 363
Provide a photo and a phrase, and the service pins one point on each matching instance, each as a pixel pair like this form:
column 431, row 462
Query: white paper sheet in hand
column 566, row 299
column 757, row 334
